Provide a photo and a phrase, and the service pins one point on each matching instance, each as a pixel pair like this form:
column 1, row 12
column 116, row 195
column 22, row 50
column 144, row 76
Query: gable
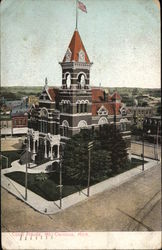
column 45, row 96
column 102, row 111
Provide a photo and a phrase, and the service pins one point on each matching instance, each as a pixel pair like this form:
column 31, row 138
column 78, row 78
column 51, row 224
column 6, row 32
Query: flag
column 82, row 7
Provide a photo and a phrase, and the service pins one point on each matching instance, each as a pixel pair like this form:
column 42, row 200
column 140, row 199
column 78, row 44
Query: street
column 133, row 206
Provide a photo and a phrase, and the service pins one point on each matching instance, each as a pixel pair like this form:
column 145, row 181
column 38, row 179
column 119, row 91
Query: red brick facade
column 20, row 121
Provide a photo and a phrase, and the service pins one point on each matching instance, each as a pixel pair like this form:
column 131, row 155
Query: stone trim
column 46, row 101
column 77, row 114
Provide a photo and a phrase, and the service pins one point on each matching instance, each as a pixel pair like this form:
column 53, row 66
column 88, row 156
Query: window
column 85, row 107
column 121, row 127
column 68, row 81
column 102, row 111
column 65, row 131
column 81, row 107
column 81, row 79
column 65, row 126
column 78, row 109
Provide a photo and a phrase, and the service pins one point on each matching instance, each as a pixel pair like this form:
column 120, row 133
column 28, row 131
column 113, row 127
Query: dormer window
column 102, row 111
column 68, row 55
column 123, row 111
column 81, row 56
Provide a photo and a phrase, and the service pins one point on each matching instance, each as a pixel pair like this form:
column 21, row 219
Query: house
column 140, row 113
column 152, row 128
column 19, row 122
column 5, row 122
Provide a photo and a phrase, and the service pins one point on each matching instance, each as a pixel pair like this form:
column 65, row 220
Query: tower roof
column 75, row 46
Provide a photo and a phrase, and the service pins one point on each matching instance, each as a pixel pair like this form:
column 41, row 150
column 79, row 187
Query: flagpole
column 76, row 15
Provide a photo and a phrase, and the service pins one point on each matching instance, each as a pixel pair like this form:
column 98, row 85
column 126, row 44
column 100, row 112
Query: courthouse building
column 63, row 112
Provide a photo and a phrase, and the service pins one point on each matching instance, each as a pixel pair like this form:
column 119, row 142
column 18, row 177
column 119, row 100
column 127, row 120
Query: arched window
column 81, row 80
column 68, row 81
column 82, row 124
column 121, row 127
column 102, row 120
column 123, row 124
column 65, row 128
column 44, row 113
column 65, row 106
column 78, row 109
column 81, row 108
column 85, row 107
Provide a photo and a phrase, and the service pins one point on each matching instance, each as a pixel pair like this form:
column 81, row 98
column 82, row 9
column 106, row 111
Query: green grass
column 136, row 162
column 12, row 156
column 47, row 188
column 46, row 185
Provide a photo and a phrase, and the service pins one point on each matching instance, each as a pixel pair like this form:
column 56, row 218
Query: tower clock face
column 68, row 55
column 81, row 56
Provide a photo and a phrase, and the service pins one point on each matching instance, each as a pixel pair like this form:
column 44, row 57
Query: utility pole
column 61, row 182
column 114, row 109
column 143, row 147
column 26, row 172
column 157, row 141
column 90, row 146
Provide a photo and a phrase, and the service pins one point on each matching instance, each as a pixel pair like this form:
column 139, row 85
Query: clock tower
column 75, row 97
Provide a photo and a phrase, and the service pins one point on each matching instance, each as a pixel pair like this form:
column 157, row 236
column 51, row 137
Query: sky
column 121, row 37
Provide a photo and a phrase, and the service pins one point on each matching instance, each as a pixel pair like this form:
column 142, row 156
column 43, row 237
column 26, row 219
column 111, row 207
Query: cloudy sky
column 122, row 39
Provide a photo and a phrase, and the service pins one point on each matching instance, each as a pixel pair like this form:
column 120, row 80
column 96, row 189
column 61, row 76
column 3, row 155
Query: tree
column 112, row 142
column 158, row 111
column 108, row 155
column 75, row 160
column 135, row 92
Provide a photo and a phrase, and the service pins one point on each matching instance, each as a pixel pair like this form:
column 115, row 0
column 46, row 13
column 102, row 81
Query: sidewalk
column 50, row 207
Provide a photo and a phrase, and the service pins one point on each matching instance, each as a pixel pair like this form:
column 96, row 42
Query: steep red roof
column 97, row 95
column 116, row 96
column 52, row 93
column 109, row 106
column 75, row 46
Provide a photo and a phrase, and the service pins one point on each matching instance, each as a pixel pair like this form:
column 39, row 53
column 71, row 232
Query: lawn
column 46, row 185
column 11, row 155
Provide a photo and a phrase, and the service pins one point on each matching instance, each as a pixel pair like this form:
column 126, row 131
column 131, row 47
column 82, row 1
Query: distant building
column 6, row 123
column 140, row 113
column 14, row 124
column 153, row 125
column 20, row 120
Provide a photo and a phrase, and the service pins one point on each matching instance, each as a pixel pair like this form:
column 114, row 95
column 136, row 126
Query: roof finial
column 46, row 81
